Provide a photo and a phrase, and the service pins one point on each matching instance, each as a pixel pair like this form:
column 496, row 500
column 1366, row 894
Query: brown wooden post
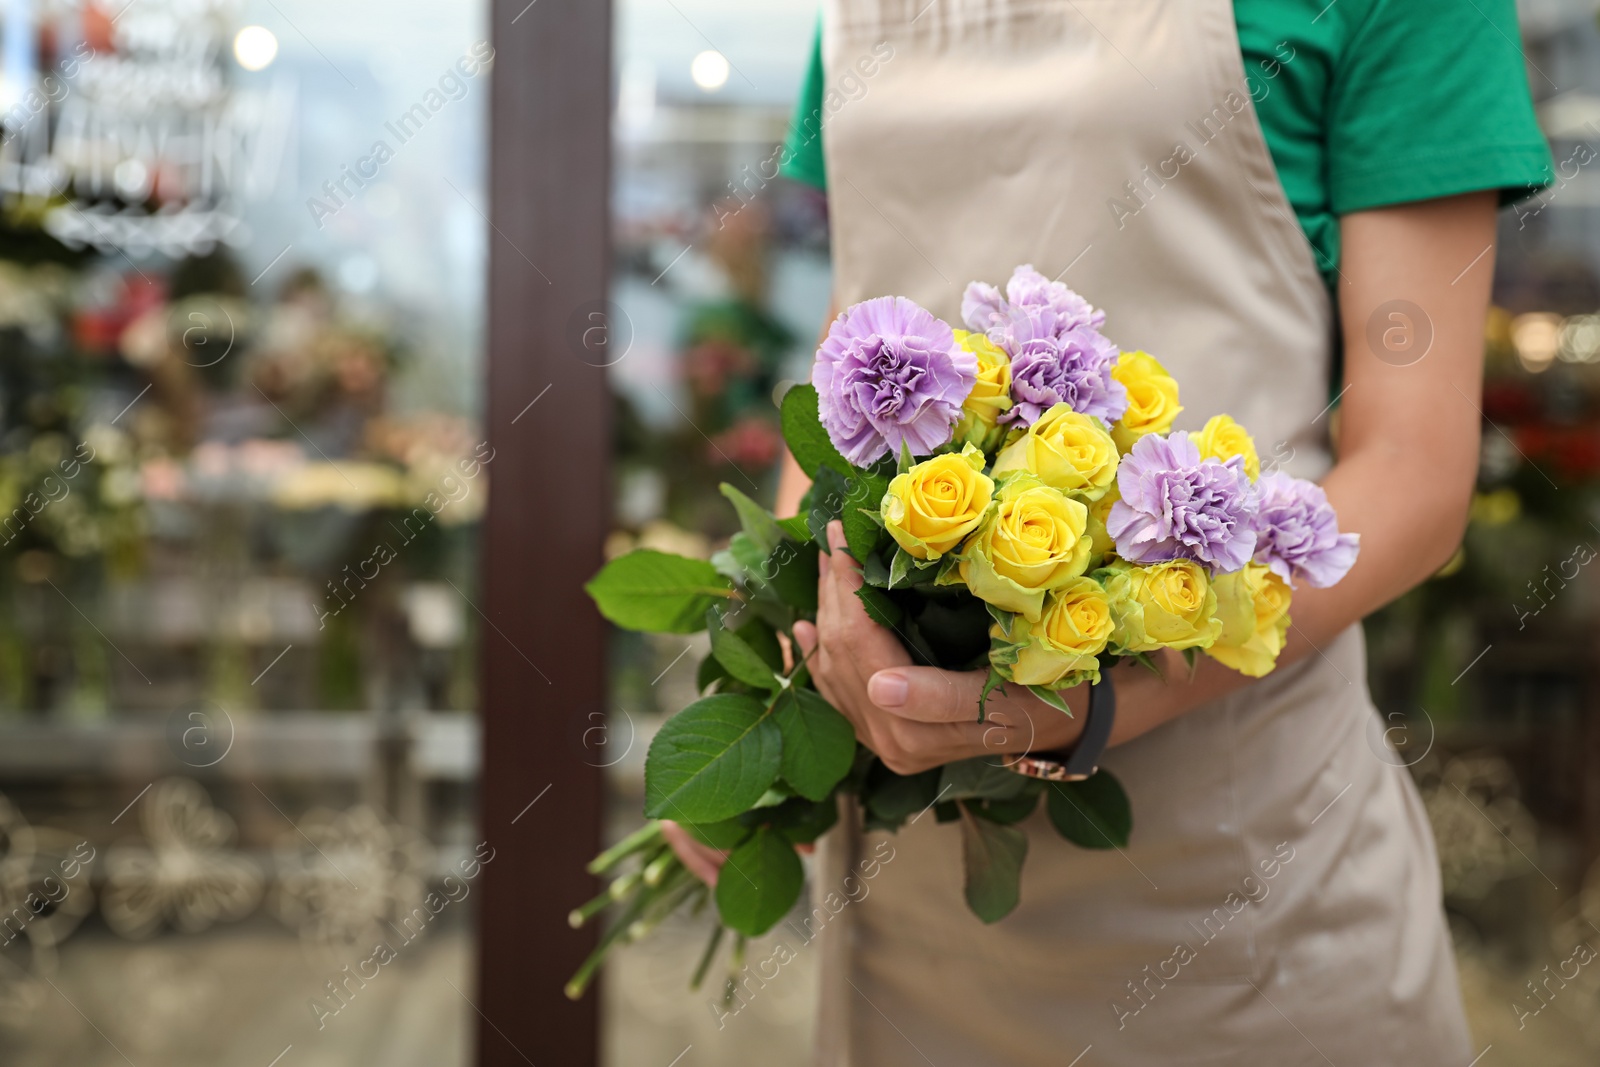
column 542, row 643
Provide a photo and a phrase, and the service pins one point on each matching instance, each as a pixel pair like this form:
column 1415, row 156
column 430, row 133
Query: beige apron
column 1280, row 901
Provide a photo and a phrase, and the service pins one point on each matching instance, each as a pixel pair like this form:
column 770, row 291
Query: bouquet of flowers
column 1018, row 503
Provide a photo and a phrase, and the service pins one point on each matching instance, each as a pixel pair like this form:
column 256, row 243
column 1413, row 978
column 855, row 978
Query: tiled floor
column 236, row 998
column 242, row 997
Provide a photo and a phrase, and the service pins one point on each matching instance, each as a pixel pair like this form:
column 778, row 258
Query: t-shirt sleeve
column 804, row 142
column 1431, row 99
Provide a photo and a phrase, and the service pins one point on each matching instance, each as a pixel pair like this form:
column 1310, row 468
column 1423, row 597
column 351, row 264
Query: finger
column 846, row 571
column 703, row 861
column 805, row 634
column 927, row 694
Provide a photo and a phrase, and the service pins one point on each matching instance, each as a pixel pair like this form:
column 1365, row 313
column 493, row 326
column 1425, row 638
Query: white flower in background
column 186, row 875
column 1485, row 835
column 345, row 877
column 44, row 895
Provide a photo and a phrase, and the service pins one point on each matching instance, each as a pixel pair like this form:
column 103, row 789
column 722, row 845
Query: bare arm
column 1408, row 454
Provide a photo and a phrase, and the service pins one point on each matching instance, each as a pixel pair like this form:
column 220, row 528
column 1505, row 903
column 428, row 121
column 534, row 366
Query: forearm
column 1409, row 431
column 1410, row 519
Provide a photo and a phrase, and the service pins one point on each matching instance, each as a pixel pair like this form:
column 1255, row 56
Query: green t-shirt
column 1364, row 103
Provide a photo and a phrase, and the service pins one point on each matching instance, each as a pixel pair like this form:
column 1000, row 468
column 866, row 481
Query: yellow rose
column 1068, row 638
column 1100, row 541
column 1068, row 451
column 1222, row 438
column 1162, row 605
column 1033, row 542
column 1254, row 607
column 991, row 393
column 1152, row 398
column 931, row 507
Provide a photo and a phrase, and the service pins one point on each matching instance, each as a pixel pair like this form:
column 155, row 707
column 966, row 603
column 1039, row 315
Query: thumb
column 928, row 694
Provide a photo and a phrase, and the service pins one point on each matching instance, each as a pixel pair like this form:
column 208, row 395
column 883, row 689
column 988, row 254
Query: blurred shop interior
column 242, row 474
column 1486, row 678
column 241, row 479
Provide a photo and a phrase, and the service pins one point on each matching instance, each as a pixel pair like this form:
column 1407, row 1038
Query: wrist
column 1079, row 757
column 1052, row 729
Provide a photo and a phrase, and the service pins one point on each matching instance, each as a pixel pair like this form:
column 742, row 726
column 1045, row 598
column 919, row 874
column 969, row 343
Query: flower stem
column 707, row 956
column 675, row 889
column 656, row 869
column 580, row 980
column 642, row 838
column 735, row 964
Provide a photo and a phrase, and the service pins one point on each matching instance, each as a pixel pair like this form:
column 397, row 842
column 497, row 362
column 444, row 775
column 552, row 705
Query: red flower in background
column 749, row 443
column 97, row 329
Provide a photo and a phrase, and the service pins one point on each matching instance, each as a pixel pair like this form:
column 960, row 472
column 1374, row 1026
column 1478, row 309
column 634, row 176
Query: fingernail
column 836, row 534
column 888, row 689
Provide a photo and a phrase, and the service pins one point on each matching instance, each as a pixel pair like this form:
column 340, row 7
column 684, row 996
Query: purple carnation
column 890, row 372
column 1298, row 533
column 1027, row 294
column 1071, row 367
column 1058, row 355
column 1177, row 506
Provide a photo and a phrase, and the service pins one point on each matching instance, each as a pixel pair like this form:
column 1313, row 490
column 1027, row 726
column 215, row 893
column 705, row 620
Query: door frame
column 542, row 644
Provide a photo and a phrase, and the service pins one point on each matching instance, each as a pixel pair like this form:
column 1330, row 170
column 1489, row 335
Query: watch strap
column 1082, row 760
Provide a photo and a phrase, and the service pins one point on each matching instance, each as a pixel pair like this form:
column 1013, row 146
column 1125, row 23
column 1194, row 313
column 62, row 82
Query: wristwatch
column 1081, row 760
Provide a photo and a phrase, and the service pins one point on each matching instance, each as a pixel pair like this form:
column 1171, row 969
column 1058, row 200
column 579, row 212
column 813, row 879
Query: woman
column 1238, row 186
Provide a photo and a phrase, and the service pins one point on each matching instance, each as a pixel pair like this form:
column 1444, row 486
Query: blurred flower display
column 147, row 416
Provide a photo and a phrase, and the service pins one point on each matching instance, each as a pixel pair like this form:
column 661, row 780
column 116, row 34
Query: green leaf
column 892, row 798
column 818, row 743
column 749, row 557
column 725, row 835
column 759, row 635
column 980, row 778
column 956, row 626
column 992, row 855
column 711, row 669
column 1002, row 617
column 1007, row 812
column 862, row 529
column 808, row 442
column 756, row 521
column 760, row 883
column 803, row 821
column 827, row 503
column 900, row 568
column 735, row 654
column 794, row 528
column 881, row 608
column 712, row 760
column 1093, row 813
column 778, row 794
column 792, row 576
column 657, row 592
column 875, row 571
column 1052, row 697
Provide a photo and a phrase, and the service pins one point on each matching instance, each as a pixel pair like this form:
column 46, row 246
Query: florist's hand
column 914, row 718
column 703, row 861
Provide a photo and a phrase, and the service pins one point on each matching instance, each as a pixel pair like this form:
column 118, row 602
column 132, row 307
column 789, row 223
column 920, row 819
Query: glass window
column 723, row 275
column 242, row 471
